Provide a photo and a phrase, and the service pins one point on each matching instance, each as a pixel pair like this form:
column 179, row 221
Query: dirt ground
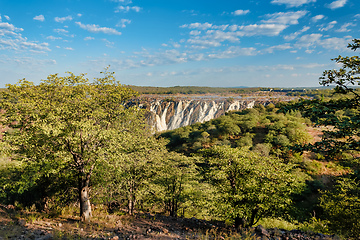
column 17, row 225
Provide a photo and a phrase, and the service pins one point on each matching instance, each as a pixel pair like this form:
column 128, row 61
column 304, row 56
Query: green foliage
column 340, row 114
column 341, row 119
column 177, row 184
column 342, row 207
column 247, row 128
column 63, row 129
column 136, row 158
column 250, row 187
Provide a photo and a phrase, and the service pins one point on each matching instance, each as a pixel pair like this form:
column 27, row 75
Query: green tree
column 344, row 129
column 249, row 186
column 340, row 115
column 68, row 121
column 137, row 159
column 176, row 183
column 341, row 207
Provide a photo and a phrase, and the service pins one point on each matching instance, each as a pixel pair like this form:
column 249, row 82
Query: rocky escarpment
column 168, row 114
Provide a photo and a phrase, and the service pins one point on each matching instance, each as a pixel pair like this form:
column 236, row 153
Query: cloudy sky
column 227, row 43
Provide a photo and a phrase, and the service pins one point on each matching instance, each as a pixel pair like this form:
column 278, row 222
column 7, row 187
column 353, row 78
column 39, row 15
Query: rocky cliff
column 168, row 114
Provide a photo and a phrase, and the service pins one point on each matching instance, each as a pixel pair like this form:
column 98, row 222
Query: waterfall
column 171, row 114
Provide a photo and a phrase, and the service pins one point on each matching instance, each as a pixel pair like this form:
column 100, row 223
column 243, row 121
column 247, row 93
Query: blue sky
column 228, row 43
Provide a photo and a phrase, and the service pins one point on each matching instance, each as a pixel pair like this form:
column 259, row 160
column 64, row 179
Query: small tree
column 68, row 121
column 137, row 159
column 250, row 187
column 342, row 207
column 175, row 182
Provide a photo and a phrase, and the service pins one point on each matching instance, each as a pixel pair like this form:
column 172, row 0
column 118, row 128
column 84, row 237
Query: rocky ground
column 17, row 225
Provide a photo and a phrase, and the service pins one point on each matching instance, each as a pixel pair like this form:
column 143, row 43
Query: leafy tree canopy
column 340, row 115
column 249, row 186
column 68, row 124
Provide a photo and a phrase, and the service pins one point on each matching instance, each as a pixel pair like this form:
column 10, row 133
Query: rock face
column 165, row 114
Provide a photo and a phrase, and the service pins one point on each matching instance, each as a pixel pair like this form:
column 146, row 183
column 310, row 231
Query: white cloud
column 176, row 45
column 292, row 3
column 191, row 12
column 195, row 32
column 207, row 35
column 201, row 26
column 39, row 18
column 313, row 65
column 204, row 43
column 108, row 43
column 211, row 38
column 317, row 18
column 123, row 23
column 344, row 27
column 261, row 29
column 278, row 47
column 63, row 19
column 88, row 38
column 30, row 62
column 337, row 4
column 53, row 38
column 240, row 12
column 123, row 1
column 79, row 14
column 61, row 31
column 7, row 28
column 233, row 27
column 336, row 43
column 329, row 26
column 127, row 9
column 222, row 36
column 268, row 29
column 285, row 18
column 308, row 40
column 315, row 39
column 11, row 39
column 9, row 44
column 69, row 48
column 221, row 27
column 175, row 56
column 6, row 17
column 97, row 29
column 295, row 34
column 233, row 52
column 38, row 47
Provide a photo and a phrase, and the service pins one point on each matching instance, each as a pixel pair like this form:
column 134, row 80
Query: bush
column 342, row 207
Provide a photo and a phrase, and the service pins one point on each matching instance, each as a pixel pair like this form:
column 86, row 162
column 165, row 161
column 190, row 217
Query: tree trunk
column 239, row 222
column 84, row 197
column 132, row 200
column 253, row 215
column 85, row 207
column 131, row 205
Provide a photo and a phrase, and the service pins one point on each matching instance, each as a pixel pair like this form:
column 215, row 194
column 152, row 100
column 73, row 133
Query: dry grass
column 33, row 225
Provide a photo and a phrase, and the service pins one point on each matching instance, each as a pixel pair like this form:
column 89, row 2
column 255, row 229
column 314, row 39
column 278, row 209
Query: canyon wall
column 168, row 114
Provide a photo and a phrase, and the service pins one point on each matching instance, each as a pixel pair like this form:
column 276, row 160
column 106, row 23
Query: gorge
column 166, row 113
